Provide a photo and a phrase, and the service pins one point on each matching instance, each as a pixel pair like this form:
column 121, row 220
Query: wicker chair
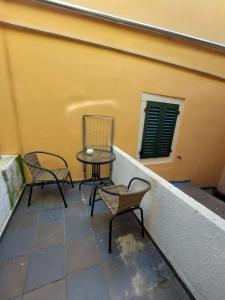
column 120, row 199
column 41, row 175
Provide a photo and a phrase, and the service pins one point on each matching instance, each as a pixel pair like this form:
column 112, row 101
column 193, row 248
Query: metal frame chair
column 97, row 133
column 43, row 175
column 120, row 200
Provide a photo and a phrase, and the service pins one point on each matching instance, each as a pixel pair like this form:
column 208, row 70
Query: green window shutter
column 159, row 125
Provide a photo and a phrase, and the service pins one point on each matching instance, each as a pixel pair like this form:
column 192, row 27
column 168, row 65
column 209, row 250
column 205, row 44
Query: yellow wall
column 9, row 134
column 50, row 82
column 201, row 18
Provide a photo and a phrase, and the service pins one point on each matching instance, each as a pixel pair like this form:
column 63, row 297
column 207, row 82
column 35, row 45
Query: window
column 158, row 129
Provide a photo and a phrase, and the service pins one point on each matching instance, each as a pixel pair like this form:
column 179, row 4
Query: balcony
column 61, row 61
column 52, row 252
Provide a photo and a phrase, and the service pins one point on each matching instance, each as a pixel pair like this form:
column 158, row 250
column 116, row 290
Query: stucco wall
column 51, row 82
column 187, row 16
column 190, row 236
column 9, row 135
column 11, row 186
column 221, row 183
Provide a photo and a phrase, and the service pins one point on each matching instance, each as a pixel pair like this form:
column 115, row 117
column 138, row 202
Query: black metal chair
column 41, row 175
column 120, row 199
column 98, row 133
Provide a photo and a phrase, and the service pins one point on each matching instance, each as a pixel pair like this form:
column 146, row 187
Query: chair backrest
column 98, row 133
column 133, row 199
column 32, row 161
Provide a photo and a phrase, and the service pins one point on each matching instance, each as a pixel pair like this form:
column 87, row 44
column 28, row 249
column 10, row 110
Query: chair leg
column 110, row 233
column 30, row 194
column 93, row 201
column 61, row 193
column 42, row 185
column 91, row 196
column 71, row 181
column 142, row 222
column 83, row 182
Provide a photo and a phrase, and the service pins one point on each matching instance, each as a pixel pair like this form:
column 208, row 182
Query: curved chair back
column 32, row 161
column 98, row 133
column 133, row 198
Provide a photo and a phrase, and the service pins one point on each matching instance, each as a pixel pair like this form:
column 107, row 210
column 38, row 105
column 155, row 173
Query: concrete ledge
column 190, row 235
column 12, row 184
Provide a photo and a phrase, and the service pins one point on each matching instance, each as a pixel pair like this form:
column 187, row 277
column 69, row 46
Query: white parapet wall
column 11, row 186
column 191, row 236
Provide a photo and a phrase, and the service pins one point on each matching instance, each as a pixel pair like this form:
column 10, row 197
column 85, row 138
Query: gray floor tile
column 72, row 194
column 141, row 297
column 16, row 243
column 100, row 208
column 23, row 208
column 49, row 235
column 23, row 220
column 46, row 266
column 168, row 290
column 81, row 254
column 49, row 202
column 12, row 277
column 132, row 228
column 129, row 246
column 134, row 270
column 87, row 285
column 102, row 244
column 86, row 192
column 75, row 187
column 37, row 196
column 118, row 276
column 77, row 228
column 152, row 267
column 127, row 223
column 100, row 222
column 49, row 216
column 46, row 198
column 76, row 210
column 52, row 291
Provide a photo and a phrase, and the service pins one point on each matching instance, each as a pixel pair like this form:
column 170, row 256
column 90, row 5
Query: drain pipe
column 128, row 22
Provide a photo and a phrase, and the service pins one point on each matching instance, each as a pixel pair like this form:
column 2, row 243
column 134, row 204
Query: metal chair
column 43, row 175
column 120, row 199
column 98, row 133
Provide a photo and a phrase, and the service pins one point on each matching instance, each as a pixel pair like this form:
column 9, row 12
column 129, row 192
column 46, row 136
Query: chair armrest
column 139, row 179
column 105, row 190
column 52, row 154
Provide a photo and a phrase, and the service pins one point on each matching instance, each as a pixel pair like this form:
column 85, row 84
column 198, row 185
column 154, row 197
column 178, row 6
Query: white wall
column 190, row 235
column 11, row 186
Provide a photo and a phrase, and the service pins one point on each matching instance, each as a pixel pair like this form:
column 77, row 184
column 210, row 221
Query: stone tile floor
column 52, row 253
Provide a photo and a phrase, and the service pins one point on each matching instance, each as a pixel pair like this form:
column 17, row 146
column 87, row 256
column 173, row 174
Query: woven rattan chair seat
column 110, row 200
column 41, row 175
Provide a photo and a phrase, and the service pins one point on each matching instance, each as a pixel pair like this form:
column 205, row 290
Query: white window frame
column 165, row 99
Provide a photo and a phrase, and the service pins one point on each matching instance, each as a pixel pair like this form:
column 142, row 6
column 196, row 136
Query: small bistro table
column 96, row 159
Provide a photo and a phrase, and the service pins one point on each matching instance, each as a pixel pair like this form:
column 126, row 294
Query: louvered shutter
column 159, row 125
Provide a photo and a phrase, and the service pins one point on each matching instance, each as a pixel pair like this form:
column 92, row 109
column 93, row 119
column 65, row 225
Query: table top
column 97, row 157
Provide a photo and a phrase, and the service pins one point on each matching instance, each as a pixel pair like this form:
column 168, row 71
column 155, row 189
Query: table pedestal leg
column 96, row 176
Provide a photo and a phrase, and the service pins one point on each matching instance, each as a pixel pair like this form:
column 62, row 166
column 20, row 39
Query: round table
column 96, row 159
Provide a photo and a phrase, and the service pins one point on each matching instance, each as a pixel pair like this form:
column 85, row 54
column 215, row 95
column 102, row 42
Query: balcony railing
column 190, row 235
